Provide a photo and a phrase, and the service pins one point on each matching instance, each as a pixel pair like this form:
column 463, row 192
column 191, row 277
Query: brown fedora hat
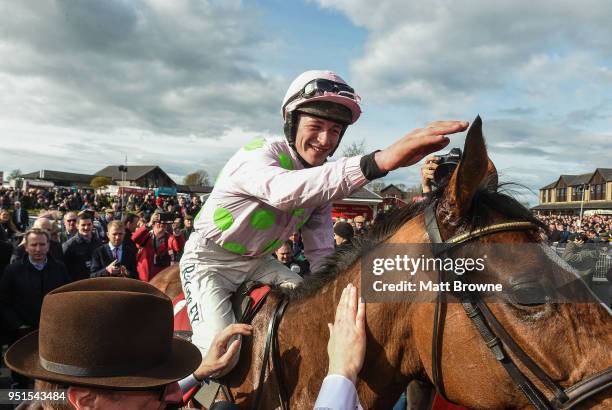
column 106, row 332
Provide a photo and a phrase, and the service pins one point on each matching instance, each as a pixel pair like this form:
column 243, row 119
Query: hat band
column 96, row 371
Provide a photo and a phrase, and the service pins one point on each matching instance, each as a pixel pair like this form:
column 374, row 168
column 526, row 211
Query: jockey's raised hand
column 418, row 144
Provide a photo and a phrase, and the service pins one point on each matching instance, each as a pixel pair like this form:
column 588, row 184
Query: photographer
column 437, row 170
column 152, row 243
column 582, row 255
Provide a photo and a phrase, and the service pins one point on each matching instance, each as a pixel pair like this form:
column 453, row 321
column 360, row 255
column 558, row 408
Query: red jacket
column 147, row 252
column 176, row 243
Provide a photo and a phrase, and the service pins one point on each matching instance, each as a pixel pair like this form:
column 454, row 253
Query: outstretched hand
column 347, row 338
column 416, row 145
column 220, row 356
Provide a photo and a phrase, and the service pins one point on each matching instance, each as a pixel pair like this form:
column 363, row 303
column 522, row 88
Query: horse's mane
column 492, row 196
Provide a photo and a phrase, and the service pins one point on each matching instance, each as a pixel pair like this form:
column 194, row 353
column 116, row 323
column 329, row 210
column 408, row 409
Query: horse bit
column 496, row 336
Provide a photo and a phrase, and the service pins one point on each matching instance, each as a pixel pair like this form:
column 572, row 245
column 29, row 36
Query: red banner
column 349, row 211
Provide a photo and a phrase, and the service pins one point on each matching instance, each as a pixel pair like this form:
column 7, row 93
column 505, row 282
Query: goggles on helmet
column 321, row 87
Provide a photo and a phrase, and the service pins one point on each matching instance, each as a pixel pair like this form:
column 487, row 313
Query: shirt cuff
column 188, row 382
column 369, row 167
column 353, row 173
column 337, row 393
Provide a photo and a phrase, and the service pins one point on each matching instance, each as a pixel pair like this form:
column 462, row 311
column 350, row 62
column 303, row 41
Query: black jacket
column 22, row 289
column 102, row 257
column 24, row 219
column 77, row 256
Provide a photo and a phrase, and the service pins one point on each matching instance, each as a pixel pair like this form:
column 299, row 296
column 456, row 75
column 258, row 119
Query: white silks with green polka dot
column 264, row 193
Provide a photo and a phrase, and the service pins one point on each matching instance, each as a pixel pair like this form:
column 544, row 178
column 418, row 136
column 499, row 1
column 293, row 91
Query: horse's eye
column 527, row 290
column 530, row 295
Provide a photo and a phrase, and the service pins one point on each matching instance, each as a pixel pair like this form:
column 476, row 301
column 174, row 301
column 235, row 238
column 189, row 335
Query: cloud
column 175, row 68
column 425, row 53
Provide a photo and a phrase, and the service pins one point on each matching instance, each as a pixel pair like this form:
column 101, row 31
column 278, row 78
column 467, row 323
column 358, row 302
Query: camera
column 166, row 217
column 578, row 237
column 446, row 165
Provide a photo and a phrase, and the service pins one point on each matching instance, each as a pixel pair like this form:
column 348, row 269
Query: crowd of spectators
column 77, row 235
column 584, row 243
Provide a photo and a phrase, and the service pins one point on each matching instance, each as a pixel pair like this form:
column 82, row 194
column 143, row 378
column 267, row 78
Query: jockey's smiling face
column 316, row 138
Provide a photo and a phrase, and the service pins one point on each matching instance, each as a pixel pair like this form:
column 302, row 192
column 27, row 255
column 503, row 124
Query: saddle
column 246, row 302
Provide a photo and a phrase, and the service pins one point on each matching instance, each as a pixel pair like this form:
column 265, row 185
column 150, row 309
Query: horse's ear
column 492, row 180
column 468, row 176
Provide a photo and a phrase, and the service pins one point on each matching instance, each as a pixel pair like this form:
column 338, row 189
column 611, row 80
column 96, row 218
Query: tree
column 100, row 182
column 199, row 177
column 16, row 173
column 355, row 148
column 376, row 186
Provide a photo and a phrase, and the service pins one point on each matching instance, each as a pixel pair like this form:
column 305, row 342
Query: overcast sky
column 183, row 84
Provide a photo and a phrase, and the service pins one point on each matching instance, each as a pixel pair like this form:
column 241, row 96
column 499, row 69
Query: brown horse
column 570, row 341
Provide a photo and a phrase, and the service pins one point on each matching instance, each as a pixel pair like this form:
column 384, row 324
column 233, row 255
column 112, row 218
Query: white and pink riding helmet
column 321, row 93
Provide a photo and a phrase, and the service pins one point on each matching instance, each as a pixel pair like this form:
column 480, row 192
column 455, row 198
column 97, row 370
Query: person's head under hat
column 93, row 340
column 359, row 222
column 343, row 233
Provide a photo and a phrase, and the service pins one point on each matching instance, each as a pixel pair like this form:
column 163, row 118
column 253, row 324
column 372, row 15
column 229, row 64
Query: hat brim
column 22, row 357
column 338, row 99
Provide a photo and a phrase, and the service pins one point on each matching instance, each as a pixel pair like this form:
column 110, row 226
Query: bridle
column 495, row 335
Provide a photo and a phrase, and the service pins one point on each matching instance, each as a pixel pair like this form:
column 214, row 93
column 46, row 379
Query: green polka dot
column 272, row 246
column 255, row 144
column 263, row 219
column 285, row 161
column 223, row 219
column 234, row 248
column 298, row 212
column 301, row 223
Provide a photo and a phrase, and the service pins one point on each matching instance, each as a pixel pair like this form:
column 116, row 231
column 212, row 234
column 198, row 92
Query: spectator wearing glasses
column 273, row 187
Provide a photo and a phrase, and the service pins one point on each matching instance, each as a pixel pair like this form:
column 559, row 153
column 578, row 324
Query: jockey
column 273, row 187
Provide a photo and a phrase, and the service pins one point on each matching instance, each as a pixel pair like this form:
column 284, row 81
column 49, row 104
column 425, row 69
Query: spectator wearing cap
column 343, row 234
column 25, row 283
column 360, row 228
column 152, row 242
column 20, row 217
column 188, row 229
column 79, row 249
column 94, row 343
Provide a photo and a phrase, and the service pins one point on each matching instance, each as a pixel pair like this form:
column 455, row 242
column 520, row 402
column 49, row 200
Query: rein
column 272, row 344
column 495, row 335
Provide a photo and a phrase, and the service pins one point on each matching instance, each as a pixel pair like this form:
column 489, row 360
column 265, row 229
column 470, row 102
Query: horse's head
column 568, row 341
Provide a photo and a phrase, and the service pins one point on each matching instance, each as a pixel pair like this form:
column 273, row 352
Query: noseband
column 495, row 335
